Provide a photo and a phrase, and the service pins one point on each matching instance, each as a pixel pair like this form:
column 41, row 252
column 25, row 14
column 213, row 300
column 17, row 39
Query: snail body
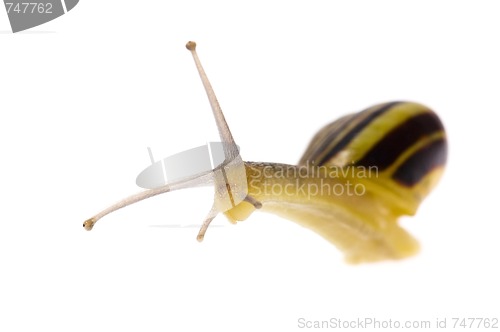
column 358, row 175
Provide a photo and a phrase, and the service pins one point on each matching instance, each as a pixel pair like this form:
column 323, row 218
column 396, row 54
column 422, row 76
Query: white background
column 82, row 97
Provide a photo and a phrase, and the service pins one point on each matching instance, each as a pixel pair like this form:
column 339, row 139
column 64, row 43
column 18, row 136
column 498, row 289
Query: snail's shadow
column 183, row 226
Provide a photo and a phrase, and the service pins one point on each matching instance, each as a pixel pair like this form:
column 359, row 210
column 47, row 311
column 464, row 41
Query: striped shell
column 406, row 142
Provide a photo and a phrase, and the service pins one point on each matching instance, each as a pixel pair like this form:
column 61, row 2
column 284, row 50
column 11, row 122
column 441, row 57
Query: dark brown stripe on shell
column 421, row 163
column 391, row 146
column 355, row 131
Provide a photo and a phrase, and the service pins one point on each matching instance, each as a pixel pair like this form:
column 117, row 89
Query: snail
column 358, row 175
